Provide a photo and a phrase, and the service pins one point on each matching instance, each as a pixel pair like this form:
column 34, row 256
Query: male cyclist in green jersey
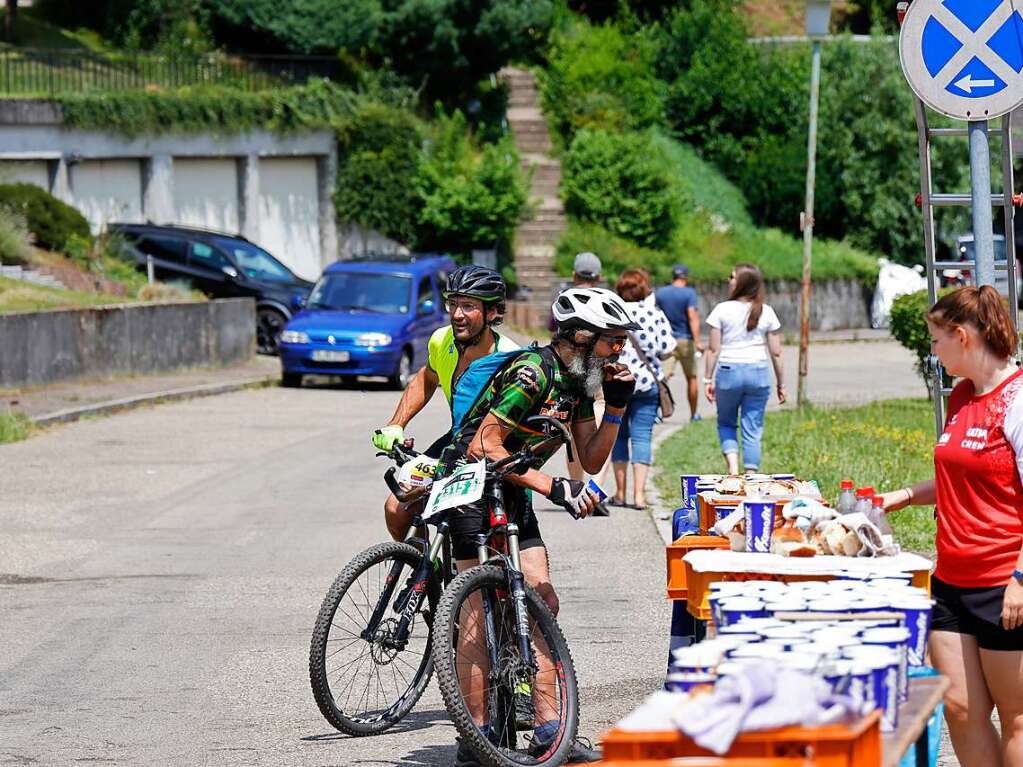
column 475, row 298
column 559, row 380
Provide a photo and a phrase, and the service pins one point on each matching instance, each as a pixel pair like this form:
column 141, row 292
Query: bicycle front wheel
column 512, row 710
column 365, row 673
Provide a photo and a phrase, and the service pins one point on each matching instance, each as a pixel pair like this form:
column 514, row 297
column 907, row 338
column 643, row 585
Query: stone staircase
column 536, row 239
column 30, row 275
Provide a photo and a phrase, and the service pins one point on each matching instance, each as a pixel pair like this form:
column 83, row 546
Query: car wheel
column 269, row 324
column 291, row 380
column 403, row 373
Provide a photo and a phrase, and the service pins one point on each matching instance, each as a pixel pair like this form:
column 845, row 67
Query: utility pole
column 11, row 20
column 818, row 18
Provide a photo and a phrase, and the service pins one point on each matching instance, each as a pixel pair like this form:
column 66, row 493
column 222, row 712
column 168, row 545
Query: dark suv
column 221, row 266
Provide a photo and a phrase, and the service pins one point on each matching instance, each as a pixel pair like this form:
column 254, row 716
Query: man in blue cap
column 679, row 303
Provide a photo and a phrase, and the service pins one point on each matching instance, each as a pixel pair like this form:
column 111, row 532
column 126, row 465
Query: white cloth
column 656, row 338
column 739, row 345
column 1013, row 428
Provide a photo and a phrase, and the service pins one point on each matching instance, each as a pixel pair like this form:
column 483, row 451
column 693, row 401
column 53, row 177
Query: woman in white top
column 743, row 330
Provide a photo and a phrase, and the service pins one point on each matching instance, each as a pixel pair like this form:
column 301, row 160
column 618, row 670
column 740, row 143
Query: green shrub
column 600, row 77
column 15, row 238
column 471, row 198
column 908, row 324
column 380, row 150
column 53, row 223
column 620, row 182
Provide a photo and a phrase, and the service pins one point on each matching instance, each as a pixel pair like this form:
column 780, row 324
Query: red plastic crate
column 838, row 745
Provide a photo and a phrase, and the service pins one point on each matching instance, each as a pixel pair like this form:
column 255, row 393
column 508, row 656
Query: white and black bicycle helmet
column 594, row 309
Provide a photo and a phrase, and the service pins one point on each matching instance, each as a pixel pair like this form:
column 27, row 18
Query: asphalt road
column 161, row 570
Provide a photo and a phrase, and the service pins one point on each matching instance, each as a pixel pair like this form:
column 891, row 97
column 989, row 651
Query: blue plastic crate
column 933, row 726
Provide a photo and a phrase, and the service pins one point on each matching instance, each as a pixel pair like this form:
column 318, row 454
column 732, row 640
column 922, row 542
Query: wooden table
column 925, row 693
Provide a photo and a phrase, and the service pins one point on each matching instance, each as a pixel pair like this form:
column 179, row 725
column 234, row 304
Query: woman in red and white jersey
column 977, row 626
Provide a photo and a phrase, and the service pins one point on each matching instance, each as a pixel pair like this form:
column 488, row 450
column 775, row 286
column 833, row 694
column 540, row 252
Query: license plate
column 326, row 355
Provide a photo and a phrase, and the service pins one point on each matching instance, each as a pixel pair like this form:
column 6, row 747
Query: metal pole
column 150, row 277
column 980, row 190
column 811, row 180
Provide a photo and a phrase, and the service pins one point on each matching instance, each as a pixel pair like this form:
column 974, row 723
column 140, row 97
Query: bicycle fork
column 410, row 599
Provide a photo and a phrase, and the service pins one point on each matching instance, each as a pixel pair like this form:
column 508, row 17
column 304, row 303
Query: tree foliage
column 380, row 149
column 744, row 107
column 471, row 197
column 601, row 77
column 298, row 26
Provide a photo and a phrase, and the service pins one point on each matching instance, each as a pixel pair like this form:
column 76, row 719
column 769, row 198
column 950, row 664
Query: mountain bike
column 502, row 663
column 369, row 658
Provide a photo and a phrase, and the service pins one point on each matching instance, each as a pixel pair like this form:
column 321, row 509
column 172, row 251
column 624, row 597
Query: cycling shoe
column 582, row 751
column 466, row 757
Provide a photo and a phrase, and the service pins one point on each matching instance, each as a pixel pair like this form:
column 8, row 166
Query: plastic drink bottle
column 846, row 498
column 877, row 515
column 863, row 500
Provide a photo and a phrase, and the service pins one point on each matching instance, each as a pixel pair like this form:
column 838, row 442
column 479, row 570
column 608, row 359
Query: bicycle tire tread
column 317, row 673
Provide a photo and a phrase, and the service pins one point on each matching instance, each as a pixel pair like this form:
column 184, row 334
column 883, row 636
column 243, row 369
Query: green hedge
column 320, row 104
column 54, row 224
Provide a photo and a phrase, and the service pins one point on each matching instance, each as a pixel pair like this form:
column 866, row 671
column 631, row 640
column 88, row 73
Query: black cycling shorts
column 466, row 522
column 976, row 612
column 434, row 450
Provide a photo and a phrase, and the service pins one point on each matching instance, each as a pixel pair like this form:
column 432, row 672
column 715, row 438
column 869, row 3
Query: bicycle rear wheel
column 364, row 682
column 480, row 695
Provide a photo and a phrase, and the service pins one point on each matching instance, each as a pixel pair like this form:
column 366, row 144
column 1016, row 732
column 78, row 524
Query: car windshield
column 362, row 292
column 255, row 262
column 966, row 249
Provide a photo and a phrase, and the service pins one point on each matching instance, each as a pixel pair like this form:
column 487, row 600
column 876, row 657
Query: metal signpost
column 964, row 59
column 818, row 16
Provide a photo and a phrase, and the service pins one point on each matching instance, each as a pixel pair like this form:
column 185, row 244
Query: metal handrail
column 49, row 71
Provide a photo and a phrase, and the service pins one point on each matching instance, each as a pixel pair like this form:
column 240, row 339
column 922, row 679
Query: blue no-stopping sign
column 964, row 58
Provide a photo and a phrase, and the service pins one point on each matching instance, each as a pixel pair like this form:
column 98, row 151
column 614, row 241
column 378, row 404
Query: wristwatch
column 708, row 381
column 1018, row 575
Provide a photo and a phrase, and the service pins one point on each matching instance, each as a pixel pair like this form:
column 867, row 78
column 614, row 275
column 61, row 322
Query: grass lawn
column 14, row 427
column 886, row 444
column 20, row 296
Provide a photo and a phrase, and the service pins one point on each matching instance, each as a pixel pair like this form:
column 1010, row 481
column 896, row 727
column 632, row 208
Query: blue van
column 370, row 316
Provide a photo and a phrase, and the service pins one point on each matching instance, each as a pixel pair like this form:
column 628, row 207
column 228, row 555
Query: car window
column 442, row 280
column 255, row 262
column 207, row 256
column 425, row 295
column 167, row 248
column 361, row 292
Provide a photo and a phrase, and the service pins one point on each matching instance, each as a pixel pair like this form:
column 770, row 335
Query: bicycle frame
column 437, row 557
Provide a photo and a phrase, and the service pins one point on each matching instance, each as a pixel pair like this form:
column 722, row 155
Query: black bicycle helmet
column 476, row 282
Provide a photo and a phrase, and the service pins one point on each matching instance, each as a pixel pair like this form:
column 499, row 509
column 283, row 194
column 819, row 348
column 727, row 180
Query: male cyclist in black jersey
column 475, row 298
column 559, row 380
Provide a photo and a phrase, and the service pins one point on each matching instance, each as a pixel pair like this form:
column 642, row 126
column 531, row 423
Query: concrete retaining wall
column 834, row 305
column 44, row 347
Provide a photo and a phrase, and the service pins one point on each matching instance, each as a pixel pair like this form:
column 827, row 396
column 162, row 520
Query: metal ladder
column 929, row 201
